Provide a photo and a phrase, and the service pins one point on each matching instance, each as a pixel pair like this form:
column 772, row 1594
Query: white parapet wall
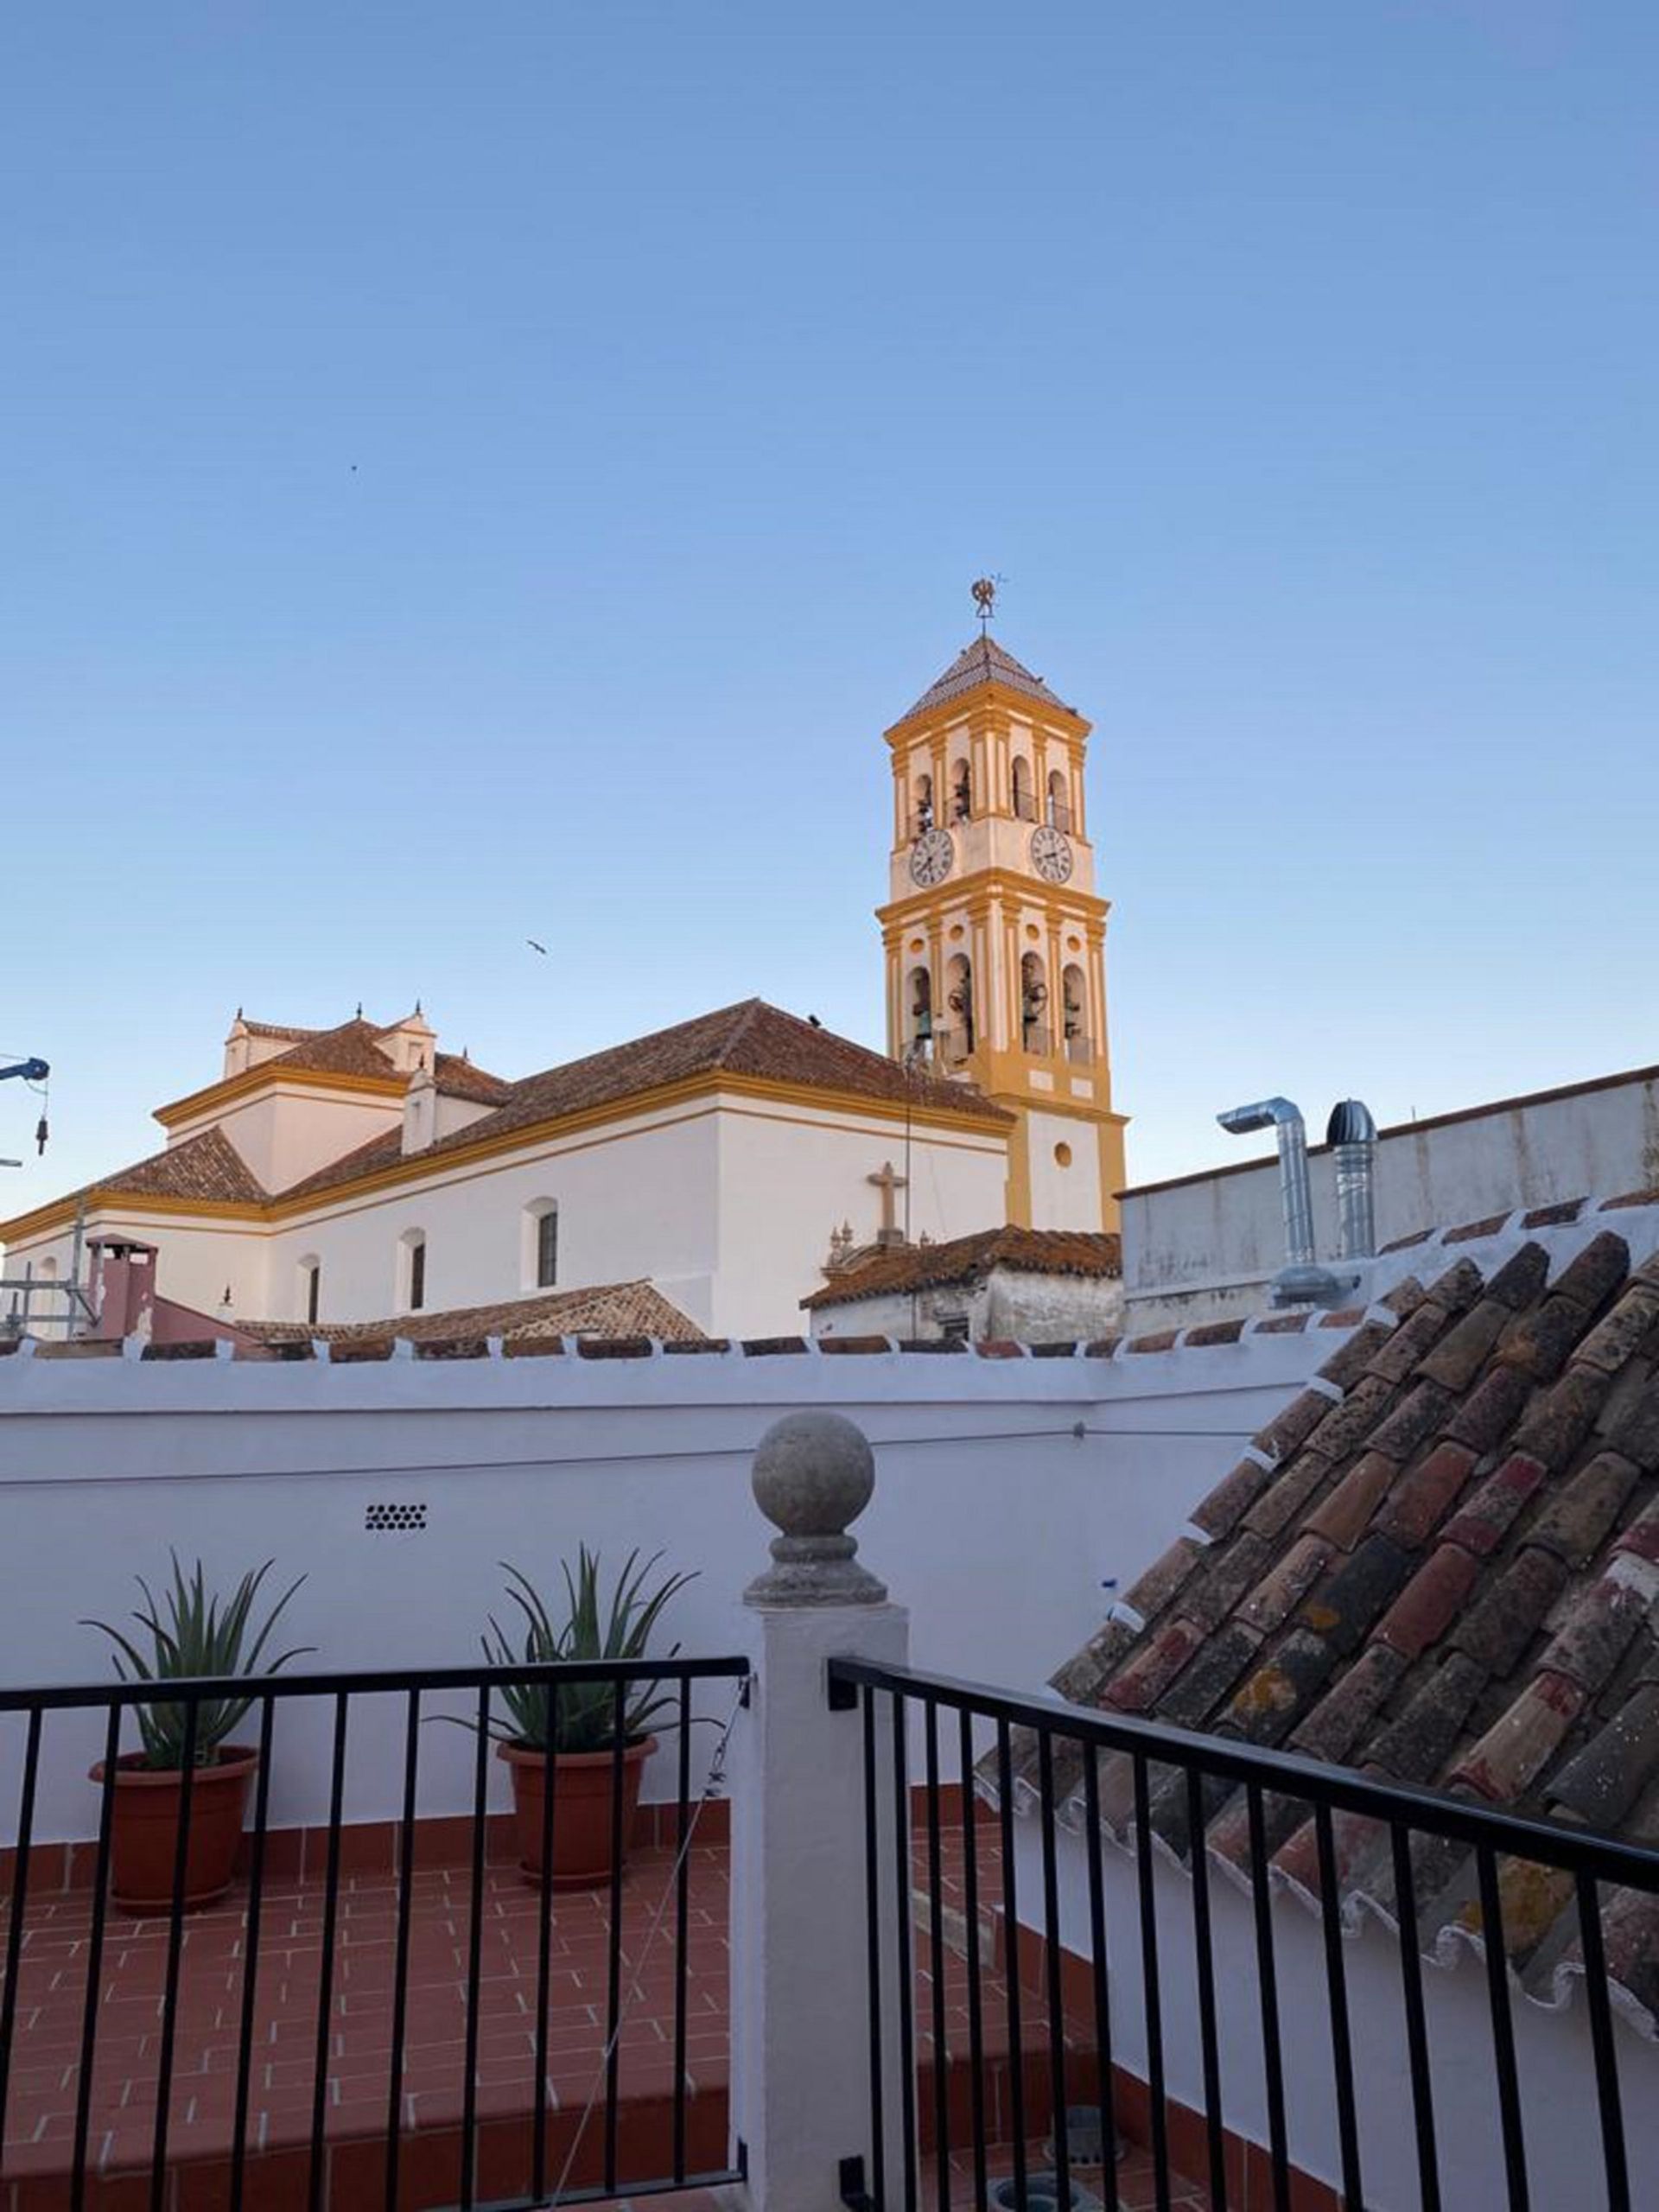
column 1012, row 1491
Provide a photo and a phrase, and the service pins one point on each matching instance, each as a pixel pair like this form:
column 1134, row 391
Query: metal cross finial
column 984, row 591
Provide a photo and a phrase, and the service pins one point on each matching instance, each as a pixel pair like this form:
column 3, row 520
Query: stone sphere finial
column 814, row 1474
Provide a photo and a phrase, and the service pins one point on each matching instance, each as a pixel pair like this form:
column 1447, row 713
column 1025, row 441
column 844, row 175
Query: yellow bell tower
column 995, row 938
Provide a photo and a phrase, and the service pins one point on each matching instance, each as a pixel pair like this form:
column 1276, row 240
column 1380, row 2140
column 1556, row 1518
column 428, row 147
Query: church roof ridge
column 984, row 661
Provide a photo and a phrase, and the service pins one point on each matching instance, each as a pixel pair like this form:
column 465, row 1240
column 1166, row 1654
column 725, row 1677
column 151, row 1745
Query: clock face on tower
column 1050, row 854
column 932, row 857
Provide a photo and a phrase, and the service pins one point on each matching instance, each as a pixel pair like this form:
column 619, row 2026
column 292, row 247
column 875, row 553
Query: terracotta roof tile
column 205, row 1166
column 626, row 1309
column 981, row 663
column 969, row 1259
column 352, row 1049
column 1487, row 1631
column 456, row 1077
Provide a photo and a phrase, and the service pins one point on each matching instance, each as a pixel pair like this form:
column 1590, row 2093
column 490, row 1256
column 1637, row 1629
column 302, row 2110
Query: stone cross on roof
column 889, row 1182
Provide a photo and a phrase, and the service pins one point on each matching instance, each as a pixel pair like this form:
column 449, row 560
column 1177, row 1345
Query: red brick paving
column 38, row 2144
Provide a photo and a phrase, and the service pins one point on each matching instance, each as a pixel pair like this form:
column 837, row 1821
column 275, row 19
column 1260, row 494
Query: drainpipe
column 1352, row 1134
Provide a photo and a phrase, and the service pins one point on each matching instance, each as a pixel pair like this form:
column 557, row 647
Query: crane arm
column 30, row 1070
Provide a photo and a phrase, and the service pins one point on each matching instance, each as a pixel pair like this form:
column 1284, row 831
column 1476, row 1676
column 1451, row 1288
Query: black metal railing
column 1121, row 1782
column 351, row 1908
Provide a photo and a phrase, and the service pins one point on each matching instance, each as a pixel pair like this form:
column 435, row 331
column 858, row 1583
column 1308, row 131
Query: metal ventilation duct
column 1280, row 1115
column 1353, row 1134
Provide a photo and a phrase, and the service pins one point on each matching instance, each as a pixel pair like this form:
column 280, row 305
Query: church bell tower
column 995, row 935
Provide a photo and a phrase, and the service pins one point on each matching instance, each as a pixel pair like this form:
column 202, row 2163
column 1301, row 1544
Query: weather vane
column 984, row 590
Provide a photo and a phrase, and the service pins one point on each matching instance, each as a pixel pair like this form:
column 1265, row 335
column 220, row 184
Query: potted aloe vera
column 194, row 1635
column 574, row 1724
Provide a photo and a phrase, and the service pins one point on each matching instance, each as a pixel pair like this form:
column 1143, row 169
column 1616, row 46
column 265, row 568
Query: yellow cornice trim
column 984, row 885
column 421, row 1165
column 268, row 1076
column 980, row 697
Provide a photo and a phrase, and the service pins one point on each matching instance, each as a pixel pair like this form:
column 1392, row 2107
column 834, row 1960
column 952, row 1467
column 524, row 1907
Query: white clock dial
column 932, row 857
column 1050, row 854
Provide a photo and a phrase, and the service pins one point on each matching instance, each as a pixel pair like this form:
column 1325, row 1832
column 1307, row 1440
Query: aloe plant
column 197, row 1637
column 580, row 1716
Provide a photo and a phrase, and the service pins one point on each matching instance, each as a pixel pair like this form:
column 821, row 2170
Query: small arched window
column 1024, row 805
column 310, row 1288
column 541, row 1244
column 411, row 1270
column 962, row 792
column 959, row 1003
column 1059, row 806
column 921, row 1005
column 1033, row 1003
column 924, row 818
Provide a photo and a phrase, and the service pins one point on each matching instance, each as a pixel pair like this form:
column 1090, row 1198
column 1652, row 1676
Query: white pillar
column 800, row 2002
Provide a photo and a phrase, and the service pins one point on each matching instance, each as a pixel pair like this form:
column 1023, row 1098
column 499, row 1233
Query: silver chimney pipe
column 1279, row 1114
column 1353, row 1134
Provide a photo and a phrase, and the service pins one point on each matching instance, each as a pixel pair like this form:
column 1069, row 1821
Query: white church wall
column 291, row 1131
column 635, row 1199
column 790, row 1175
column 994, row 1520
column 1065, row 1191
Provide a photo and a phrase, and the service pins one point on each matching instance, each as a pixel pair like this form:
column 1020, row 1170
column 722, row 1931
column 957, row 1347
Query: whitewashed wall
column 994, row 1519
column 1204, row 1248
column 1009, row 1303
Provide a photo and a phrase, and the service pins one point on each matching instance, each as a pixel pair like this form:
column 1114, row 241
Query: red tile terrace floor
column 36, row 2154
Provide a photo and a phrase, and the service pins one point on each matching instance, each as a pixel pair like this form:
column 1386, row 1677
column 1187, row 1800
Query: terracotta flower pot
column 143, row 1840
column 583, row 1816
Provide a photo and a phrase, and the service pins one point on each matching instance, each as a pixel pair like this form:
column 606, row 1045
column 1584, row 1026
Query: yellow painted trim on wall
column 268, row 1076
column 421, row 1165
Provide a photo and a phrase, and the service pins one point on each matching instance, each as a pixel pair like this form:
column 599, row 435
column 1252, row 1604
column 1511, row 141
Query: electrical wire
column 1075, row 1430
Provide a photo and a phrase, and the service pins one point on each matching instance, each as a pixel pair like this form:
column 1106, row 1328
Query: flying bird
column 534, row 947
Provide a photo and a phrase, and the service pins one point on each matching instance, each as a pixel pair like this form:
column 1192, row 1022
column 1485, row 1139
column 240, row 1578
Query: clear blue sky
column 477, row 473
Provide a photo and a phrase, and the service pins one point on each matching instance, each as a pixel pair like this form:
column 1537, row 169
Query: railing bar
column 872, row 1938
column 970, row 1908
column 326, row 1976
column 682, row 1914
column 19, row 1902
column 1411, row 1977
column 1153, row 1996
column 363, row 1681
column 1056, row 1992
column 1011, row 1949
column 1498, row 1986
column 901, row 1852
column 613, row 1998
column 1204, row 1953
column 175, row 1959
column 1268, row 1990
column 544, row 1940
column 1336, row 1978
column 250, row 1959
column 1099, row 1965
column 1614, row 2158
column 1289, row 1773
column 400, row 1966
column 936, row 1941
column 95, row 1959
column 474, row 1951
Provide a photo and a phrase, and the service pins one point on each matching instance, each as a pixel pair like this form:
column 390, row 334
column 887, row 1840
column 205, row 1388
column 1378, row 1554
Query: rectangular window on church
column 417, row 1277
column 313, row 1291
column 547, row 1249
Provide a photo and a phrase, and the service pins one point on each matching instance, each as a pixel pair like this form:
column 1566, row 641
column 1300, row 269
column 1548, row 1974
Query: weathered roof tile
column 1422, row 1496
column 1502, row 1621
column 1580, row 1514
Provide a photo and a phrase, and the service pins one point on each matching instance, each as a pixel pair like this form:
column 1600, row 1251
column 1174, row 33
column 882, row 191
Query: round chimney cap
column 1350, row 1123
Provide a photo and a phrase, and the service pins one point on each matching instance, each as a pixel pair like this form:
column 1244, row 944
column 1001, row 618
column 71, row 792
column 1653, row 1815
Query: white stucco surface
column 1205, row 1247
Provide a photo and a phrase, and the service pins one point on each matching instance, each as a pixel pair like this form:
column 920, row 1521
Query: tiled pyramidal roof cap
column 984, row 661
column 1440, row 1564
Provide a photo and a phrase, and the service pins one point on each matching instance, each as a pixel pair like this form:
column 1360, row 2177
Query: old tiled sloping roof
column 205, row 1166
column 984, row 661
column 617, row 1309
column 280, row 1029
column 1440, row 1565
column 749, row 1039
column 456, row 1077
column 964, row 1259
column 352, row 1049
